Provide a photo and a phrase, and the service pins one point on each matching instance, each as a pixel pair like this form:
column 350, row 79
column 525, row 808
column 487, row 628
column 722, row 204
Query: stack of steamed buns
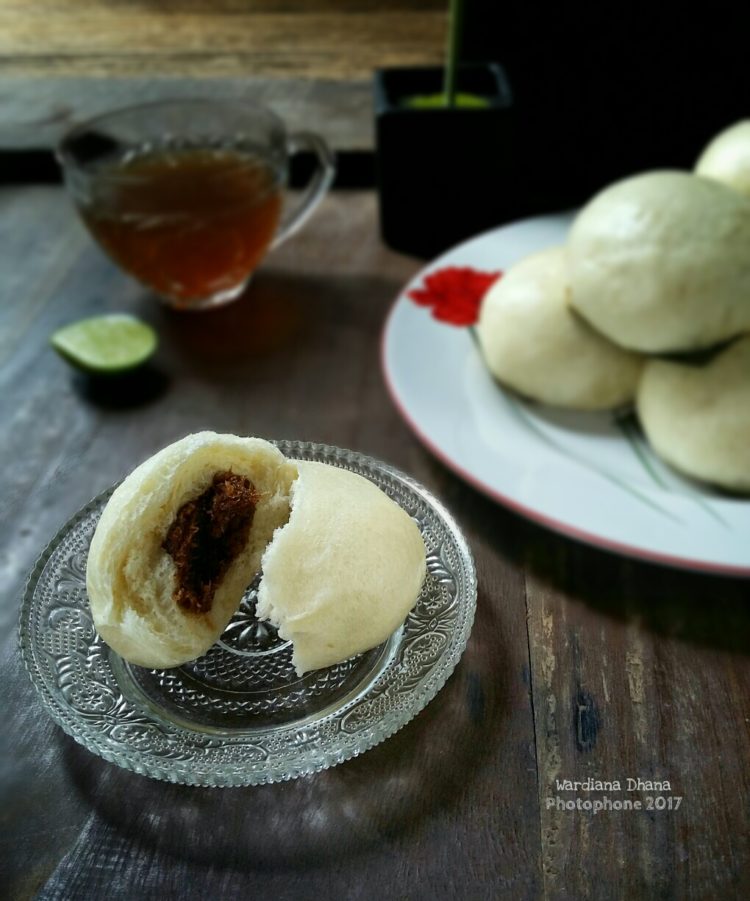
column 654, row 266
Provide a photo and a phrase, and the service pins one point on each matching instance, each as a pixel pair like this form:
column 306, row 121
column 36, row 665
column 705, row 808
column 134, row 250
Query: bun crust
column 698, row 417
column 659, row 262
column 131, row 578
column 727, row 158
column 344, row 572
column 534, row 343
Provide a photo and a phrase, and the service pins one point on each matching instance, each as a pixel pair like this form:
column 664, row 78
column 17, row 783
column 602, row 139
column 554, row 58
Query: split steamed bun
column 344, row 572
column 660, row 262
column 184, row 535
column 131, row 579
column 698, row 417
column 532, row 341
column 727, row 158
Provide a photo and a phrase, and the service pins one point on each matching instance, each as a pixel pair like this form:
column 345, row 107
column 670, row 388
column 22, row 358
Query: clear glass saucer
column 240, row 715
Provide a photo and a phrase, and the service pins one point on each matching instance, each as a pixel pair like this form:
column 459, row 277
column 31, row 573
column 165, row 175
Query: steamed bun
column 533, row 343
column 727, row 158
column 660, row 262
column 132, row 580
column 698, row 417
column 187, row 531
column 343, row 573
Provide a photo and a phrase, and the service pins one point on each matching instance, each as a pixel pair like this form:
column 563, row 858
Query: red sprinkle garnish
column 454, row 293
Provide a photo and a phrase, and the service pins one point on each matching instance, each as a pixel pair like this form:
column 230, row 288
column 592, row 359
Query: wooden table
column 581, row 664
column 311, row 61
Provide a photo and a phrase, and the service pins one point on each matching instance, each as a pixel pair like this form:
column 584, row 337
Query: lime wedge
column 106, row 344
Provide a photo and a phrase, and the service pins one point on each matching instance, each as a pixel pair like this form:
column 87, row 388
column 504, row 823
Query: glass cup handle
column 316, row 190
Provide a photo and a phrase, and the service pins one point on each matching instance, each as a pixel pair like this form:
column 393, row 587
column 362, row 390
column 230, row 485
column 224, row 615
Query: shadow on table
column 277, row 314
column 130, row 390
column 704, row 609
column 267, row 316
column 388, row 791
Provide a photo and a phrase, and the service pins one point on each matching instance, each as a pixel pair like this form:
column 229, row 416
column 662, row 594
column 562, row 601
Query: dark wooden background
column 581, row 663
column 62, row 61
column 340, row 39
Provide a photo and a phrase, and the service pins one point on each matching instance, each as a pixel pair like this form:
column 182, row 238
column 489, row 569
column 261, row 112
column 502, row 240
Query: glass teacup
column 187, row 196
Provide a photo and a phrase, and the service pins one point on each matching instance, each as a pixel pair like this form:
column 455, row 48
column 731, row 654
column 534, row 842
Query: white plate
column 586, row 475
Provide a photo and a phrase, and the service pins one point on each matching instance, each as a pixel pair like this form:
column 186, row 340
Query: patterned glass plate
column 240, row 715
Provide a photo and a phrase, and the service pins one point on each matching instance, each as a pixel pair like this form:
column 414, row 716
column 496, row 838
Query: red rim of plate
column 549, row 522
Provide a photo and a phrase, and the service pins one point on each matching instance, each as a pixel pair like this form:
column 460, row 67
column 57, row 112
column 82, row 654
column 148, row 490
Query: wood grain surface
column 311, row 39
column 581, row 664
column 35, row 112
column 309, row 60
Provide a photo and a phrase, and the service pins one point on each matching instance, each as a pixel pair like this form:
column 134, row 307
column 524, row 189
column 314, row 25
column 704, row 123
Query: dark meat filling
column 205, row 537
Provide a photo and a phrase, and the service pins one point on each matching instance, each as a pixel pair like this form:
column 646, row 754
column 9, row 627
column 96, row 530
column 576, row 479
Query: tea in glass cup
column 187, row 196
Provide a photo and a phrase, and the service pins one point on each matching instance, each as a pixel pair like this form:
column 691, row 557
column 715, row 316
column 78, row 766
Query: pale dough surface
column 342, row 563
column 660, row 262
column 727, row 158
column 130, row 577
column 534, row 343
column 698, row 417
column 344, row 572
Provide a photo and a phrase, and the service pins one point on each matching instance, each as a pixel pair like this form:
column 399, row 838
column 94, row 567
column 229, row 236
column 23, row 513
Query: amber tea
column 190, row 223
column 187, row 195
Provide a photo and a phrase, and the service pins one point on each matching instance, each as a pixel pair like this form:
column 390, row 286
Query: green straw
column 455, row 27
